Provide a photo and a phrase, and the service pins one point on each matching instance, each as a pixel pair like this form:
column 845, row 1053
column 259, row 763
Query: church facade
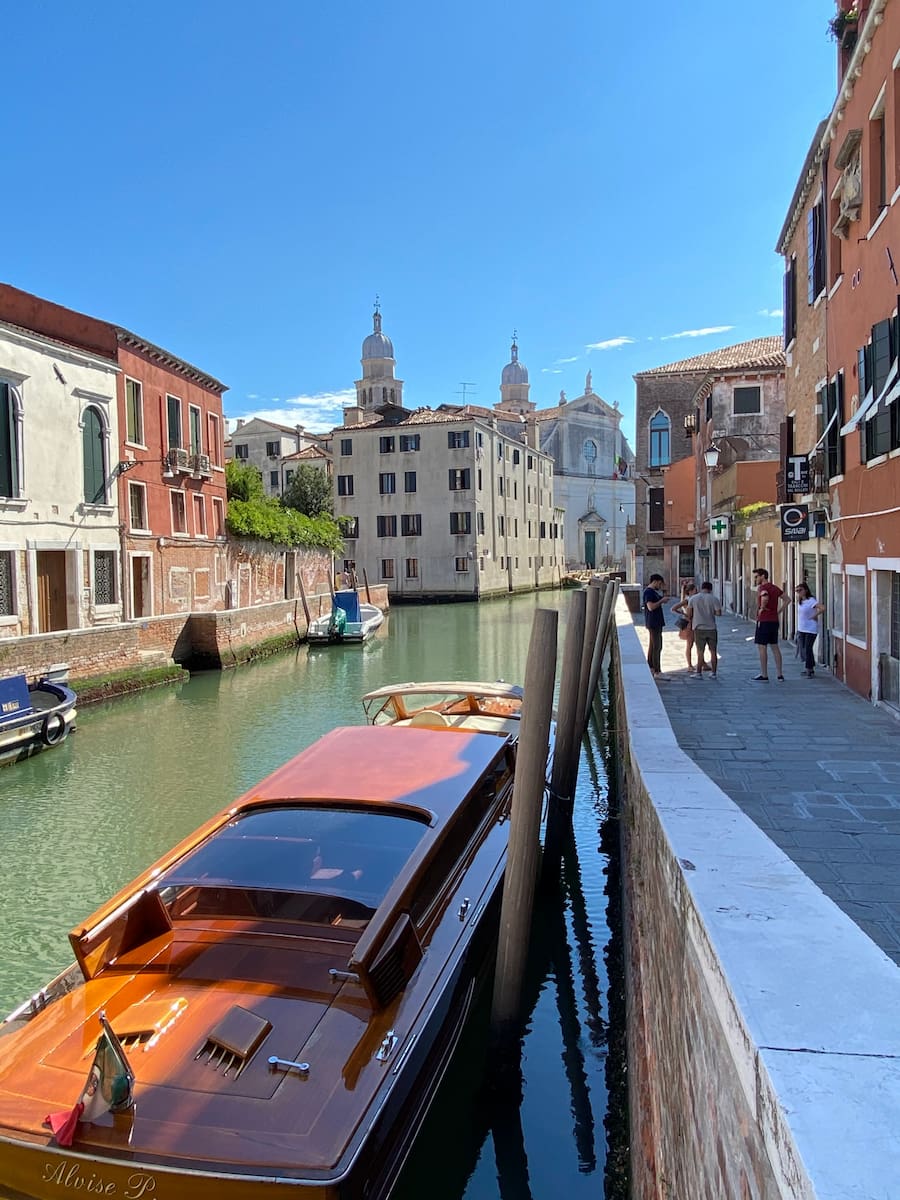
column 593, row 466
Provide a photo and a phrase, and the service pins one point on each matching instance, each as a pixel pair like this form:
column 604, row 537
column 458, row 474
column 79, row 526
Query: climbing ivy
column 253, row 514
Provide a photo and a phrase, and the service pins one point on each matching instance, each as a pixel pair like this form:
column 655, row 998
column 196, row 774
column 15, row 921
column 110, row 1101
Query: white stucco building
column 60, row 546
column 446, row 503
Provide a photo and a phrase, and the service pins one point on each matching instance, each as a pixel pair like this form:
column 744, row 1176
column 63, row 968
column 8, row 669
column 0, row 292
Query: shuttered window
column 92, row 454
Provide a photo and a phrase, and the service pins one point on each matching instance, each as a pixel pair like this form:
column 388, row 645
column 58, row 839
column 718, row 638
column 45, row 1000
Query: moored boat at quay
column 272, row 1005
column 35, row 715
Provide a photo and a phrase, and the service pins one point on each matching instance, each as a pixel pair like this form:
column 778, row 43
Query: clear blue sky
column 236, row 182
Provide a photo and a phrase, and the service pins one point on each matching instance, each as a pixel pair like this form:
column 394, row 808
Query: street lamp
column 711, row 456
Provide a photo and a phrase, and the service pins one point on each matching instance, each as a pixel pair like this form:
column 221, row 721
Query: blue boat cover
column 15, row 699
column 348, row 600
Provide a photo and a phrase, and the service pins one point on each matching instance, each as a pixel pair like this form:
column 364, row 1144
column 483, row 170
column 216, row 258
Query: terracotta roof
column 759, row 354
column 308, row 452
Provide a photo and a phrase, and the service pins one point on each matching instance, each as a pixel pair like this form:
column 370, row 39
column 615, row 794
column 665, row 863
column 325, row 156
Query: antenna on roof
column 462, row 392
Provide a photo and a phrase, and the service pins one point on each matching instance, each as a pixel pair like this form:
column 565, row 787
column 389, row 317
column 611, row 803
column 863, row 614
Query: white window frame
column 854, row 571
column 198, row 449
column 837, row 589
column 218, row 516
column 13, row 618
column 113, row 605
column 135, row 483
column 173, row 492
column 198, row 505
column 140, row 443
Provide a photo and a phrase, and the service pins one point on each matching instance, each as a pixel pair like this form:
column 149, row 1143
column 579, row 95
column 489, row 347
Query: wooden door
column 590, row 551
column 141, row 602
column 51, row 590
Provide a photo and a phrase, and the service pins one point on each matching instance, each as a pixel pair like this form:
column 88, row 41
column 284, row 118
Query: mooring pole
column 525, row 823
column 566, row 750
column 604, row 625
column 366, row 582
column 592, row 616
column 303, row 600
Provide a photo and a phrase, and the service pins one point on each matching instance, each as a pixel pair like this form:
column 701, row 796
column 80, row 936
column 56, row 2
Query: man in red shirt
column 768, row 599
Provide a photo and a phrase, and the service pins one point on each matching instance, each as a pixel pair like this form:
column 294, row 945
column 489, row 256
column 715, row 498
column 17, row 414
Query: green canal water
column 78, row 822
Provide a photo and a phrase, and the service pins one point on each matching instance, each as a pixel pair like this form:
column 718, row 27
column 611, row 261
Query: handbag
column 681, row 623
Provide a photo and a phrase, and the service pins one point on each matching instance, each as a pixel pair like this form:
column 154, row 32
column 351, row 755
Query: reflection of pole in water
column 509, row 1139
column 587, row 961
column 573, row 1058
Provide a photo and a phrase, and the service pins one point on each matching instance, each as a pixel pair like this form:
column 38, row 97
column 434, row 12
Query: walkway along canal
column 144, row 770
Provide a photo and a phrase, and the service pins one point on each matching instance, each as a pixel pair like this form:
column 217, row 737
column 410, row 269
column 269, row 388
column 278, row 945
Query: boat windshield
column 298, row 850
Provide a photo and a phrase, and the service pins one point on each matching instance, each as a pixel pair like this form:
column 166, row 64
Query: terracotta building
column 852, row 273
column 731, row 399
column 165, row 473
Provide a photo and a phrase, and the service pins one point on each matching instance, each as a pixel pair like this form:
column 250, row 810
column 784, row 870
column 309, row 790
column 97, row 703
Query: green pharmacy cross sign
column 719, row 529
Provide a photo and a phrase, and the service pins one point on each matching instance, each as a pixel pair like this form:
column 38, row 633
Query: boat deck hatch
column 234, row 1040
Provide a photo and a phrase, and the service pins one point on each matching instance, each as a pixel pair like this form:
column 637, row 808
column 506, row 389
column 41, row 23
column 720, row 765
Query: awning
column 885, row 402
column 871, row 399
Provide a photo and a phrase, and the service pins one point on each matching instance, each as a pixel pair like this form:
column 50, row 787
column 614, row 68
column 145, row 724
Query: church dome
column 377, row 344
column 514, row 372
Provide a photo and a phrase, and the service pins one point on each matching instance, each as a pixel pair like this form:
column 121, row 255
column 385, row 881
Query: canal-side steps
column 763, row 1026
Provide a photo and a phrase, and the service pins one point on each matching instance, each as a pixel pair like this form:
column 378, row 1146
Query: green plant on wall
column 838, row 24
column 252, row 514
column 745, row 515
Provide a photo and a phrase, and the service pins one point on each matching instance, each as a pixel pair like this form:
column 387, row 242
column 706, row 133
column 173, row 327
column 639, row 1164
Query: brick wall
column 218, row 639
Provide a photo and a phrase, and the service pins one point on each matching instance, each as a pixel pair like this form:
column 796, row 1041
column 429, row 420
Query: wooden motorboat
column 34, row 715
column 287, row 984
column 350, row 620
column 455, row 704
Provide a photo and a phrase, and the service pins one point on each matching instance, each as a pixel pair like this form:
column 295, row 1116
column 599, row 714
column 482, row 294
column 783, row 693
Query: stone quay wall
column 762, row 1033
column 197, row 640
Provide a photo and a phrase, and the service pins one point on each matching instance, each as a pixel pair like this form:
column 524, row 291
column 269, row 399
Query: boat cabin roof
column 459, row 687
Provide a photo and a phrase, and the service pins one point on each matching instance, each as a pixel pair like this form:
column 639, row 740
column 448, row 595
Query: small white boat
column 349, row 620
column 35, row 715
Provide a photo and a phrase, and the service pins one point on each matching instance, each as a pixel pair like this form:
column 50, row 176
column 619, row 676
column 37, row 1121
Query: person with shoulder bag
column 684, row 624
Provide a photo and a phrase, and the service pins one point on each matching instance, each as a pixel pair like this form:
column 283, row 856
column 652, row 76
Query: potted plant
column 843, row 26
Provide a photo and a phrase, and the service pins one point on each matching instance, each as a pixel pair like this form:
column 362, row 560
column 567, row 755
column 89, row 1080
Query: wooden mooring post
column 524, row 833
column 303, row 601
column 366, row 582
column 604, row 630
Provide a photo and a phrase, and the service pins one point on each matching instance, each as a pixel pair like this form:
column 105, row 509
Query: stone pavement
column 815, row 766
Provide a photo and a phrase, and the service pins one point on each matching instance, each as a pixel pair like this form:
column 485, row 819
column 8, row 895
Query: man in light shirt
column 703, row 609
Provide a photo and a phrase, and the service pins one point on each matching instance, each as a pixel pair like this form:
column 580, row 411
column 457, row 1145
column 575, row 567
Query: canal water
column 78, row 822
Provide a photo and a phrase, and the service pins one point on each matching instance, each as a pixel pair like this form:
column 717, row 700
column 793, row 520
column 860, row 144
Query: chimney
column 240, row 422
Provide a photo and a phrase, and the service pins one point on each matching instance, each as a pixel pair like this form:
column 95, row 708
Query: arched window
column 9, row 442
column 659, row 440
column 384, row 395
column 589, row 450
column 92, row 451
column 392, row 395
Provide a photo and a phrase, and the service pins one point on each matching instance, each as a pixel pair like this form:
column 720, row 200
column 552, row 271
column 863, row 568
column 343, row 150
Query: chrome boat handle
column 287, row 1064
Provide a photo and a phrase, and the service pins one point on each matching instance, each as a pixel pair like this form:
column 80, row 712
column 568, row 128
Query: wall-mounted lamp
column 711, row 456
column 125, row 465
column 690, row 423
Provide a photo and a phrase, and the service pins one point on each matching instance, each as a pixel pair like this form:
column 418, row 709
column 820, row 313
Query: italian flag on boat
column 109, row 1088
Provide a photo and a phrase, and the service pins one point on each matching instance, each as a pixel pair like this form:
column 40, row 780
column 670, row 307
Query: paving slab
column 815, row 766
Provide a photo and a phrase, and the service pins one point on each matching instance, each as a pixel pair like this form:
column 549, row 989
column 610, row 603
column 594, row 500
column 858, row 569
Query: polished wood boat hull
column 377, row 1045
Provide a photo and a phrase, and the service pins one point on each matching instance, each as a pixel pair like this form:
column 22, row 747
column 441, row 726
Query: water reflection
column 141, row 772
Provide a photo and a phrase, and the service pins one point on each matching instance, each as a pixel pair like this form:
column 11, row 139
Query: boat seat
column 428, row 718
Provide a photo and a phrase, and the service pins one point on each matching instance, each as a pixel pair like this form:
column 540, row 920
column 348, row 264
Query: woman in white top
column 808, row 609
column 685, row 624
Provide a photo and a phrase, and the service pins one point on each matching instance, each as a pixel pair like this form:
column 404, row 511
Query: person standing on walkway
column 703, row 609
column 808, row 610
column 685, row 629
column 655, row 597
column 769, row 600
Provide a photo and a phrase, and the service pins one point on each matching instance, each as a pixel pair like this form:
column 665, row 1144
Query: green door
column 590, row 548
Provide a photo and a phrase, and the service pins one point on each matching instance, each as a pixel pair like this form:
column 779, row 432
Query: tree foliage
column 309, row 491
column 252, row 514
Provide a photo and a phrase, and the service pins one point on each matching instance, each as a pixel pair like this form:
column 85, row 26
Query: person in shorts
column 768, row 623
column 704, row 608
column 654, row 598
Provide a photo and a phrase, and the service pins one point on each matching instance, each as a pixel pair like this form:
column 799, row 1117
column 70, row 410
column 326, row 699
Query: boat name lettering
column 74, row 1178
column 10, row 706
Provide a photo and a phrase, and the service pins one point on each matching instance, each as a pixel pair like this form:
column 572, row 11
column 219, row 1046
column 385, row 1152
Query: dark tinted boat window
column 328, row 851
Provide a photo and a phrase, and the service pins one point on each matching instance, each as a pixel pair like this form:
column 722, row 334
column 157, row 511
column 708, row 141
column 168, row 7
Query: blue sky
column 237, row 182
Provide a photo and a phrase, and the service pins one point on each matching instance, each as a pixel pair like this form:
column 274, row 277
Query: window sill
column 835, row 479
column 107, row 610
column 9, row 621
column 13, row 504
column 837, row 283
column 852, row 641
column 136, row 446
column 97, row 510
column 877, row 460
column 821, row 296
column 896, row 195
